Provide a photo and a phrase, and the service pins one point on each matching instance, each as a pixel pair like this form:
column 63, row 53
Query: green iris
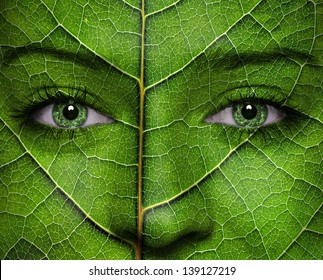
column 249, row 115
column 69, row 114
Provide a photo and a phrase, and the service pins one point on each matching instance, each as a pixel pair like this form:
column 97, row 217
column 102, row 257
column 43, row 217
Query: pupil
column 249, row 111
column 70, row 112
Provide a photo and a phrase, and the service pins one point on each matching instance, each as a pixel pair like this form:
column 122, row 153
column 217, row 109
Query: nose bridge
column 184, row 217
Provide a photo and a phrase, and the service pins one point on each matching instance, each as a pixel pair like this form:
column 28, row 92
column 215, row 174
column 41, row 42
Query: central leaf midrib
column 141, row 134
column 142, row 89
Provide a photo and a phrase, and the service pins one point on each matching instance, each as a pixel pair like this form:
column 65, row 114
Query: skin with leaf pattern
column 161, row 129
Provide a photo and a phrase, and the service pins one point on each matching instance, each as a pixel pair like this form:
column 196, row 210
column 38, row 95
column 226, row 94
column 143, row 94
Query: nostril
column 169, row 224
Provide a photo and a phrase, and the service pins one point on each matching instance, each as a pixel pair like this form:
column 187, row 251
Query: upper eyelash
column 252, row 96
column 55, row 94
column 47, row 95
column 258, row 100
column 248, row 94
column 278, row 101
column 44, row 96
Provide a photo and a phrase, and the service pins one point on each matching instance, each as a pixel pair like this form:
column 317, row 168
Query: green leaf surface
column 160, row 182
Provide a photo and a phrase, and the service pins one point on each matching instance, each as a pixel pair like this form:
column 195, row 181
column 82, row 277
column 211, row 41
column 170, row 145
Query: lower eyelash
column 51, row 132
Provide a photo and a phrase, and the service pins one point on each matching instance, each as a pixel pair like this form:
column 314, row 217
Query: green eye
column 249, row 115
column 69, row 114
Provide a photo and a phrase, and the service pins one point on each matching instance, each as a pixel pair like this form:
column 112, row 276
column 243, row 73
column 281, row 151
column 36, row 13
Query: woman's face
column 161, row 130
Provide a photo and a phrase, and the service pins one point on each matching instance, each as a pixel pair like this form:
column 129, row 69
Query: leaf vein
column 202, row 178
column 65, row 193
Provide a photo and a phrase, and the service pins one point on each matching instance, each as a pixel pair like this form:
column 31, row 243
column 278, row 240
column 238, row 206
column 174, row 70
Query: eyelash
column 270, row 97
column 46, row 95
column 251, row 96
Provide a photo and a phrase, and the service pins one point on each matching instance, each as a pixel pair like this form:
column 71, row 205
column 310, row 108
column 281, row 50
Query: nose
column 185, row 217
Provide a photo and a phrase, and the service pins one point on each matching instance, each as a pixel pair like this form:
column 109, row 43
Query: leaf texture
column 160, row 182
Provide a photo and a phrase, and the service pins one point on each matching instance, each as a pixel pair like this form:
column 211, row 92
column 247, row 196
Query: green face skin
column 159, row 182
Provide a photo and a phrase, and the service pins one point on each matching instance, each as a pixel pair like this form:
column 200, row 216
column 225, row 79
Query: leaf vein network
column 104, row 229
column 195, row 184
column 87, row 47
column 299, row 234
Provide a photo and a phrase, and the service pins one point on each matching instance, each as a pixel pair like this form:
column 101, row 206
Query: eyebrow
column 229, row 61
column 86, row 60
column 235, row 60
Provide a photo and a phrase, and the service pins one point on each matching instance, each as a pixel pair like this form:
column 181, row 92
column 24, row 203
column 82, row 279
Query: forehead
column 174, row 32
